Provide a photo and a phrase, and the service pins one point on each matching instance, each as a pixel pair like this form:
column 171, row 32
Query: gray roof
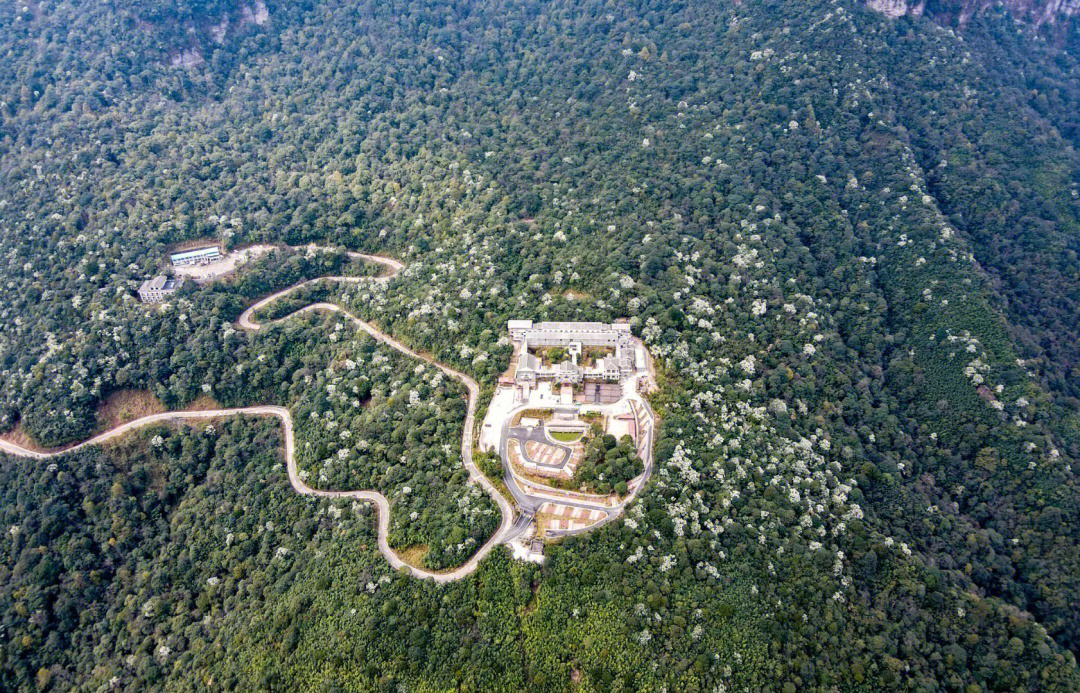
column 159, row 283
column 572, row 326
column 527, row 360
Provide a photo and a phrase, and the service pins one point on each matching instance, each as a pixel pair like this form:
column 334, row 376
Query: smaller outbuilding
column 568, row 373
column 608, row 368
column 158, row 289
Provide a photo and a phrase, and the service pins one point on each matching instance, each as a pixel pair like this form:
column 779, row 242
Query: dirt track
column 246, row 322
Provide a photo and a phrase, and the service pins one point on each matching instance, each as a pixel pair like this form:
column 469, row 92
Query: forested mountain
column 850, row 241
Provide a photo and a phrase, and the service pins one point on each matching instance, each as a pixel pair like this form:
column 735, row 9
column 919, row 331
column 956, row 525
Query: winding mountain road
column 507, row 528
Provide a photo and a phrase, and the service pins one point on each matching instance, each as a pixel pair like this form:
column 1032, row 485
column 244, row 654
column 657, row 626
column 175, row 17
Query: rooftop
column 196, row 252
column 580, row 326
column 159, row 283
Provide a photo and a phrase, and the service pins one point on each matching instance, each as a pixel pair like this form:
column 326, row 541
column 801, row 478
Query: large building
column 573, row 336
column 158, row 289
column 197, row 256
column 566, row 333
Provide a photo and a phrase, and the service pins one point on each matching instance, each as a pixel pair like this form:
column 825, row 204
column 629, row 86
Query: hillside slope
column 849, row 241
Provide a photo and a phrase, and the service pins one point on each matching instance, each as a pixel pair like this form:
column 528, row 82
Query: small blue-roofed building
column 197, row 256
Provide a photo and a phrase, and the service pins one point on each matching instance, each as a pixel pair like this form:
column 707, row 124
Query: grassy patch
column 414, row 555
column 203, row 403
column 541, row 414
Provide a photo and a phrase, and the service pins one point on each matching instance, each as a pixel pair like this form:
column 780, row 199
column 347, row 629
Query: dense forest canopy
column 850, row 242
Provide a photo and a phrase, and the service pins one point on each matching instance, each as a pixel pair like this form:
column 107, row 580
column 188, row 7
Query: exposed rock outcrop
column 258, row 14
column 197, row 36
column 897, row 8
column 186, row 58
column 961, row 11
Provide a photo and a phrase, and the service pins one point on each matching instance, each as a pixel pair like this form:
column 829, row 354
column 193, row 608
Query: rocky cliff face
column 897, row 8
column 960, row 11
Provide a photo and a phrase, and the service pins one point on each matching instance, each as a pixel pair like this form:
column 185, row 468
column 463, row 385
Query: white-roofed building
column 573, row 336
column 197, row 256
column 623, row 363
column 518, row 329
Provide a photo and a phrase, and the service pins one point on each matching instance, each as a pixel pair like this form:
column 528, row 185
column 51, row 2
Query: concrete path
column 507, row 529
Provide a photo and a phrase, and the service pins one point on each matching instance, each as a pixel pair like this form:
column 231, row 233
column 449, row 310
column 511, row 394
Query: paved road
column 530, row 496
column 395, row 266
column 508, row 529
column 536, row 434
